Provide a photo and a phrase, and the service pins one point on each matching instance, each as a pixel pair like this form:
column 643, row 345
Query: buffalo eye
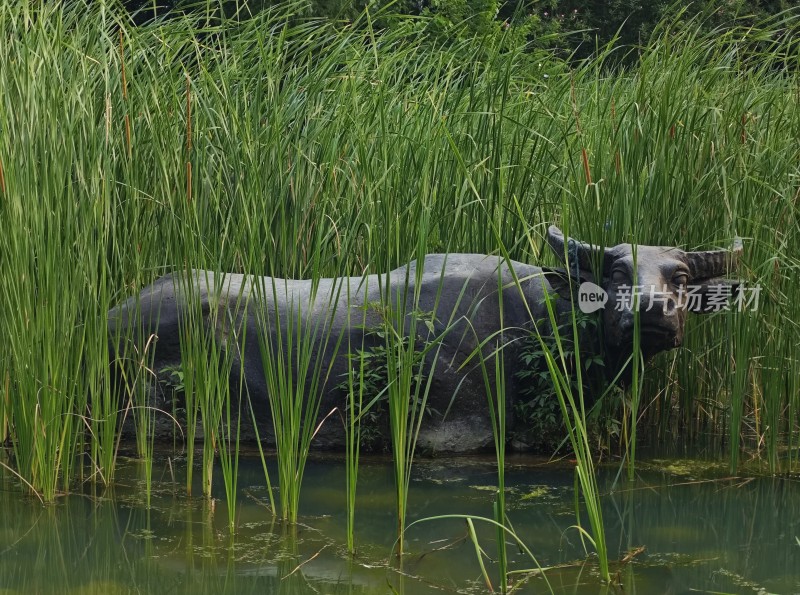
column 619, row 276
column 680, row 279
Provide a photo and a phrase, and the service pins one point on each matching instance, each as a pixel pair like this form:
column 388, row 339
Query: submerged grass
column 308, row 149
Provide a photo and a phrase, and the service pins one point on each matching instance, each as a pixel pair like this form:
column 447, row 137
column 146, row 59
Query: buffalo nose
column 658, row 305
column 669, row 305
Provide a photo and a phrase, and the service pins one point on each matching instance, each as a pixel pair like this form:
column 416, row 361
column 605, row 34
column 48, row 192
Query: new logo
column 591, row 297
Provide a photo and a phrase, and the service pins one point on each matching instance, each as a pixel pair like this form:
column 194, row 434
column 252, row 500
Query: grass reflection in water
column 700, row 533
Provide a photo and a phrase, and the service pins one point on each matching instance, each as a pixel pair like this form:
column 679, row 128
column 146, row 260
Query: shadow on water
column 702, row 532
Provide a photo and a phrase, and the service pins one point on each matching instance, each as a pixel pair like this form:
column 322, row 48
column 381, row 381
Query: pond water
column 703, row 533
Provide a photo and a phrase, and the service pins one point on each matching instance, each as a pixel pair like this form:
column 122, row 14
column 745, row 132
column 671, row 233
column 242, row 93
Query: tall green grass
column 210, row 336
column 307, row 148
column 496, row 398
column 573, row 404
column 352, row 423
column 291, row 336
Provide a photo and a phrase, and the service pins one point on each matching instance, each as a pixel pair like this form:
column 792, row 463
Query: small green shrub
column 374, row 414
column 539, row 423
column 171, row 379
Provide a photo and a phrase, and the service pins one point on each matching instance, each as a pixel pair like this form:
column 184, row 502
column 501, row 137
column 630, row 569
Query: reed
column 408, row 387
column 357, row 408
column 230, row 426
column 212, row 334
column 192, row 334
column 565, row 364
column 573, row 411
column 289, row 339
column 495, row 385
column 137, row 382
column 497, row 409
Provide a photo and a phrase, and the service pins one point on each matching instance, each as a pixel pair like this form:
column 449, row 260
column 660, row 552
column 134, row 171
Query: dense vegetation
column 574, row 28
column 302, row 147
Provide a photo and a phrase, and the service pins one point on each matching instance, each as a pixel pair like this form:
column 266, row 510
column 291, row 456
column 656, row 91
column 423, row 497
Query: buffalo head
column 665, row 284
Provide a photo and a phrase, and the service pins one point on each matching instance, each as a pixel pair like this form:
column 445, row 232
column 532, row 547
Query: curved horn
column 715, row 263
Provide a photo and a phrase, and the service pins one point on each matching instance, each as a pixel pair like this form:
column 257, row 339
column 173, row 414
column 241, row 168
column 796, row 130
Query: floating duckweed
column 535, row 493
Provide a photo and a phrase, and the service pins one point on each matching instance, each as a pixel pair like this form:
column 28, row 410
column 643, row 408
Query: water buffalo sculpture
column 467, row 307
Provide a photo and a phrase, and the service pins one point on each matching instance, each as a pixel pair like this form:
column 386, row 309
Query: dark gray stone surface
column 469, row 300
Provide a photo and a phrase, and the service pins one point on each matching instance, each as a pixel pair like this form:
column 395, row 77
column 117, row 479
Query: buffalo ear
column 563, row 283
column 711, row 295
column 578, row 257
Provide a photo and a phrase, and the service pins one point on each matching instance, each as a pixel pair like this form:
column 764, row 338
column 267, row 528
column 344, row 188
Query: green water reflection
column 701, row 533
